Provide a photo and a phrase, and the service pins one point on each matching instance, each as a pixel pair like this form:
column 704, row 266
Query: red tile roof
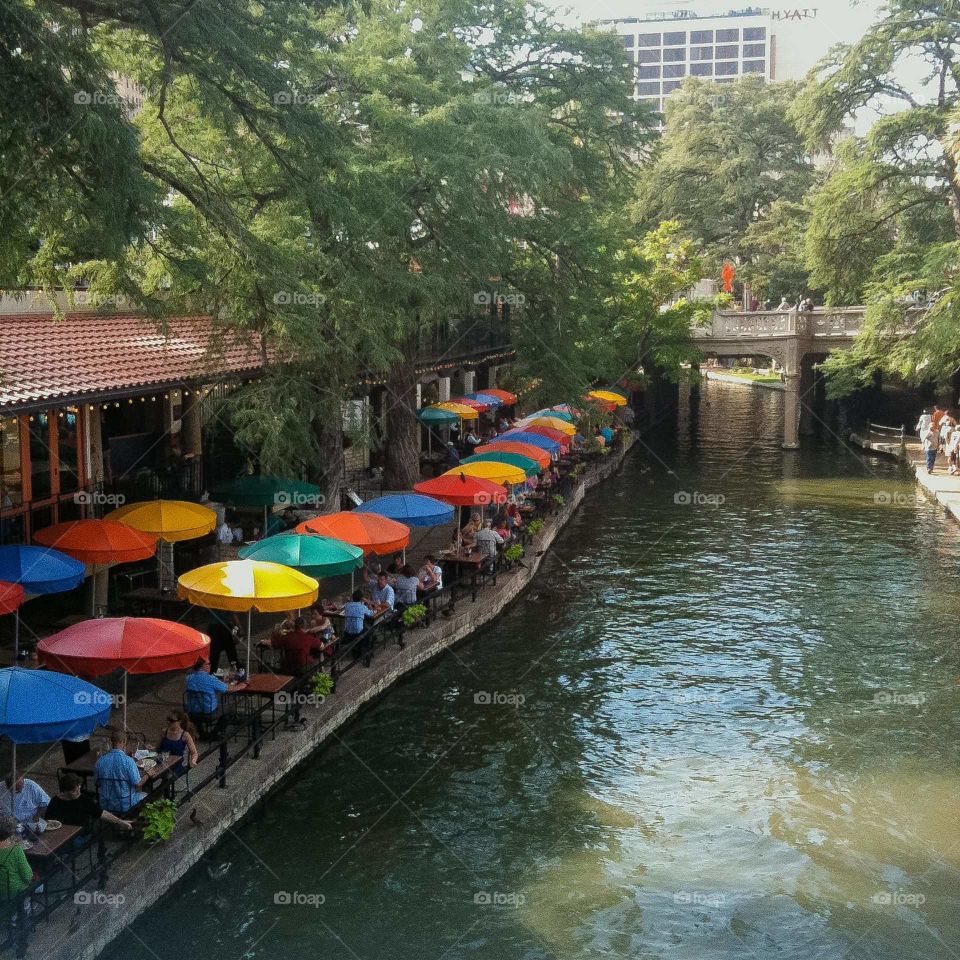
column 85, row 355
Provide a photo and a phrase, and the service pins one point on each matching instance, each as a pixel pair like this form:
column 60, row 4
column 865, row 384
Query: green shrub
column 559, row 499
column 161, row 818
column 514, row 553
column 322, row 684
column 414, row 614
column 534, row 527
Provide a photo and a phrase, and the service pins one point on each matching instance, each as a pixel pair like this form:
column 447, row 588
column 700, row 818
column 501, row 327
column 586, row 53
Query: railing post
column 222, row 765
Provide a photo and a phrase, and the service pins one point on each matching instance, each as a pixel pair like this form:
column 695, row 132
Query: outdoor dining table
column 85, row 767
column 264, row 685
column 470, row 561
column 46, row 849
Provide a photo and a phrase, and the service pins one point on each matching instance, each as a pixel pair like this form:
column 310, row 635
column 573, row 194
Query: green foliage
column 323, row 685
column 534, row 527
column 161, row 819
column 513, row 554
column 413, row 614
column 559, row 499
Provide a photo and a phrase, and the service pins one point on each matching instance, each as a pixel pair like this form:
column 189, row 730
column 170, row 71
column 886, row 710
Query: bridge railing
column 841, row 323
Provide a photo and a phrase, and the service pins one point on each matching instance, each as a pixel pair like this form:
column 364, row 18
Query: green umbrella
column 530, row 467
column 309, row 553
column 263, row 490
column 433, row 417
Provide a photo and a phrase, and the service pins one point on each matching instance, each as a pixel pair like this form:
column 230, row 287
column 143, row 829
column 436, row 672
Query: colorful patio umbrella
column 245, row 586
column 169, row 520
column 309, row 553
column 436, row 416
column 39, row 570
column 563, row 439
column 527, row 450
column 555, row 414
column 567, row 409
column 530, row 437
column 413, row 509
column 561, row 426
column 609, row 396
column 508, row 398
column 369, row 531
column 255, row 490
column 132, row 644
column 529, row 467
column 11, row 596
column 502, row 473
column 42, row 706
column 459, row 490
column 462, row 410
column 475, row 404
column 97, row 542
column 488, row 399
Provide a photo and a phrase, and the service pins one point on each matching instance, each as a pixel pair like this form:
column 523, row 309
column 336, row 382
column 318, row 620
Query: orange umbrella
column 505, row 395
column 11, row 596
column 98, row 541
column 369, row 531
column 541, row 457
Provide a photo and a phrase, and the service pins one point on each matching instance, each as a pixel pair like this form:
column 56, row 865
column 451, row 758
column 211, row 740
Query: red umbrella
column 478, row 405
column 505, row 395
column 460, row 490
column 11, row 596
column 550, row 434
column 369, row 531
column 98, row 541
column 93, row 648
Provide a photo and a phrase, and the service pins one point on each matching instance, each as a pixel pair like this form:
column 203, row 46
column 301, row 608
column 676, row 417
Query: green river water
column 723, row 727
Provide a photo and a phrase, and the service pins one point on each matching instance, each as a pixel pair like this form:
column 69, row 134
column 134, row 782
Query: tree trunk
column 402, row 452
column 328, row 474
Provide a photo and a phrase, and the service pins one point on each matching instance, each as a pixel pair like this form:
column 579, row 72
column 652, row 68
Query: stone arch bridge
column 797, row 341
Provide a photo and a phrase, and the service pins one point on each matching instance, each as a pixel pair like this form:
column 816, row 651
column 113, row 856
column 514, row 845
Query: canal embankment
column 939, row 485
column 741, row 381
column 140, row 877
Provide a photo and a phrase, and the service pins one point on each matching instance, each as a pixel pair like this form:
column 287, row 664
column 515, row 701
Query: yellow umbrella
column 248, row 585
column 168, row 520
column 609, row 397
column 460, row 409
column 568, row 428
column 490, row 470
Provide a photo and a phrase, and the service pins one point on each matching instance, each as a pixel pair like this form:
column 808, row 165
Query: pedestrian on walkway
column 923, row 424
column 931, row 444
column 938, row 414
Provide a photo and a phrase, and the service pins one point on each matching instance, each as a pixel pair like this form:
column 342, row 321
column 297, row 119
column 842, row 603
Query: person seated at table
column 31, row 799
column 300, row 648
column 382, row 593
column 356, row 613
column 396, row 565
column 319, row 624
column 178, row 739
column 453, row 457
column 471, row 440
column 225, row 533
column 203, row 692
column 16, row 874
column 470, row 530
column 74, row 809
column 488, row 540
column 406, row 586
column 431, row 575
column 286, row 624
column 502, row 528
column 117, row 777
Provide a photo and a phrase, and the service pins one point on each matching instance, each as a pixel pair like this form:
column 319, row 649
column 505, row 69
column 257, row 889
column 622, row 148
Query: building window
column 11, row 472
column 648, row 73
column 41, row 459
column 649, row 56
column 674, row 39
column 628, row 41
column 701, row 36
column 648, row 40
column 701, row 53
column 727, row 69
column 754, row 33
column 675, row 55
column 730, row 53
column 751, row 50
column 755, row 66
column 724, row 80
column 675, row 70
column 701, row 70
column 728, row 36
column 670, row 85
column 646, row 89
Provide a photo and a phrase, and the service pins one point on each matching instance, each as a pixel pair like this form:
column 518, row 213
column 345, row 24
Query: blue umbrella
column 40, row 706
column 607, row 434
column 413, row 509
column 38, row 570
column 486, row 398
column 535, row 439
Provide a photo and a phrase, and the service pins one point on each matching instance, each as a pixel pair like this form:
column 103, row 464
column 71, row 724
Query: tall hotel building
column 670, row 46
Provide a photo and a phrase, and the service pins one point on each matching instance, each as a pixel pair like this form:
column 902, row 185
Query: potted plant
column 160, row 817
column 534, row 527
column 323, row 685
column 559, row 499
column 415, row 614
column 513, row 554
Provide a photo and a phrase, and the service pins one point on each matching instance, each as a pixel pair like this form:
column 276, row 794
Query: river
column 720, row 725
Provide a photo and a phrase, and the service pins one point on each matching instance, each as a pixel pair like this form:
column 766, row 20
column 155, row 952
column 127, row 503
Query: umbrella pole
column 265, row 508
column 16, row 634
column 249, row 619
column 125, row 698
column 13, row 785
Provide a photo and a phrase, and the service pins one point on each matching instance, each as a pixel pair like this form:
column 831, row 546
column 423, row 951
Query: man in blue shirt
column 117, row 777
column 355, row 616
column 382, row 592
column 203, row 692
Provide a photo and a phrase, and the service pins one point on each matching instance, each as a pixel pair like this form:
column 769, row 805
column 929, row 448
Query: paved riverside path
column 142, row 875
column 942, row 487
